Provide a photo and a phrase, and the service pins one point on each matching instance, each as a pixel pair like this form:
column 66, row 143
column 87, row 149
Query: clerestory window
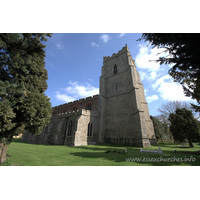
column 89, row 106
column 64, row 111
column 74, row 108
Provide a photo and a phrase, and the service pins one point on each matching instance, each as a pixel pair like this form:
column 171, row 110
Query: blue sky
column 74, row 61
column 74, row 64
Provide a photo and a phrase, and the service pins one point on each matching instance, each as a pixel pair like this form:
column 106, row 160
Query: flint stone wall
column 55, row 132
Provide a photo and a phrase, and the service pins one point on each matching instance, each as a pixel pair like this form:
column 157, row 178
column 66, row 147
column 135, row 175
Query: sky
column 74, row 61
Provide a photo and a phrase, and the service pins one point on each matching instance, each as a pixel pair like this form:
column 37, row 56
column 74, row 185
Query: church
column 118, row 115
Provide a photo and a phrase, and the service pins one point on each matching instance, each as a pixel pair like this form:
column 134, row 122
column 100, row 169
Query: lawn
column 24, row 154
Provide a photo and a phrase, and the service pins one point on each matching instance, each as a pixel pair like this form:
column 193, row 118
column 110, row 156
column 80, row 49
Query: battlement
column 78, row 101
column 123, row 50
column 74, row 112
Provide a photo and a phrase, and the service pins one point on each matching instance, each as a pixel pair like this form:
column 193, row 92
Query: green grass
column 24, row 154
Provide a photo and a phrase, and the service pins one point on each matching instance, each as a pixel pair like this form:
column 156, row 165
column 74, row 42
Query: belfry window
column 115, row 69
column 89, row 133
column 89, row 106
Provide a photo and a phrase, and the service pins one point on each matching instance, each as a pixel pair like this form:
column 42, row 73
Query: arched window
column 115, row 69
column 89, row 133
column 76, row 125
column 75, row 108
column 89, row 106
column 65, row 131
column 69, row 133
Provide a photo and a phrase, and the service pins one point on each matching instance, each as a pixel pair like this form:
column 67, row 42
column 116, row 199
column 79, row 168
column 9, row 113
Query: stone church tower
column 124, row 115
column 118, row 115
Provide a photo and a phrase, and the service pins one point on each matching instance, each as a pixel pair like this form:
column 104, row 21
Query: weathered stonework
column 118, row 115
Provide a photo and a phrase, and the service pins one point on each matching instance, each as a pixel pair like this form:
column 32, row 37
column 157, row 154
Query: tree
column 183, row 53
column 171, row 106
column 161, row 128
column 23, row 104
column 156, row 125
column 184, row 126
column 161, row 122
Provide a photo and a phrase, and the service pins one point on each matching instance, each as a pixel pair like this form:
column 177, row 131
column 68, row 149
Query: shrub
column 8, row 162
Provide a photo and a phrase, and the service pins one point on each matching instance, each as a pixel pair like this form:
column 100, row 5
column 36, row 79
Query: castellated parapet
column 77, row 105
column 75, row 113
column 118, row 115
column 114, row 55
column 91, row 98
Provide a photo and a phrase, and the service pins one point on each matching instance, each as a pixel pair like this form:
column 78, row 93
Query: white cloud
column 93, row 44
column 145, row 91
column 145, row 60
column 153, row 75
column 121, row 35
column 150, row 71
column 63, row 97
column 152, row 98
column 105, row 38
column 77, row 91
column 59, row 46
column 142, row 74
column 161, row 80
column 172, row 91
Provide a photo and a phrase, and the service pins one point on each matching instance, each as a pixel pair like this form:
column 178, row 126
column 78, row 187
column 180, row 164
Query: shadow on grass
column 16, row 140
column 175, row 146
column 135, row 157
column 95, row 155
column 144, row 159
